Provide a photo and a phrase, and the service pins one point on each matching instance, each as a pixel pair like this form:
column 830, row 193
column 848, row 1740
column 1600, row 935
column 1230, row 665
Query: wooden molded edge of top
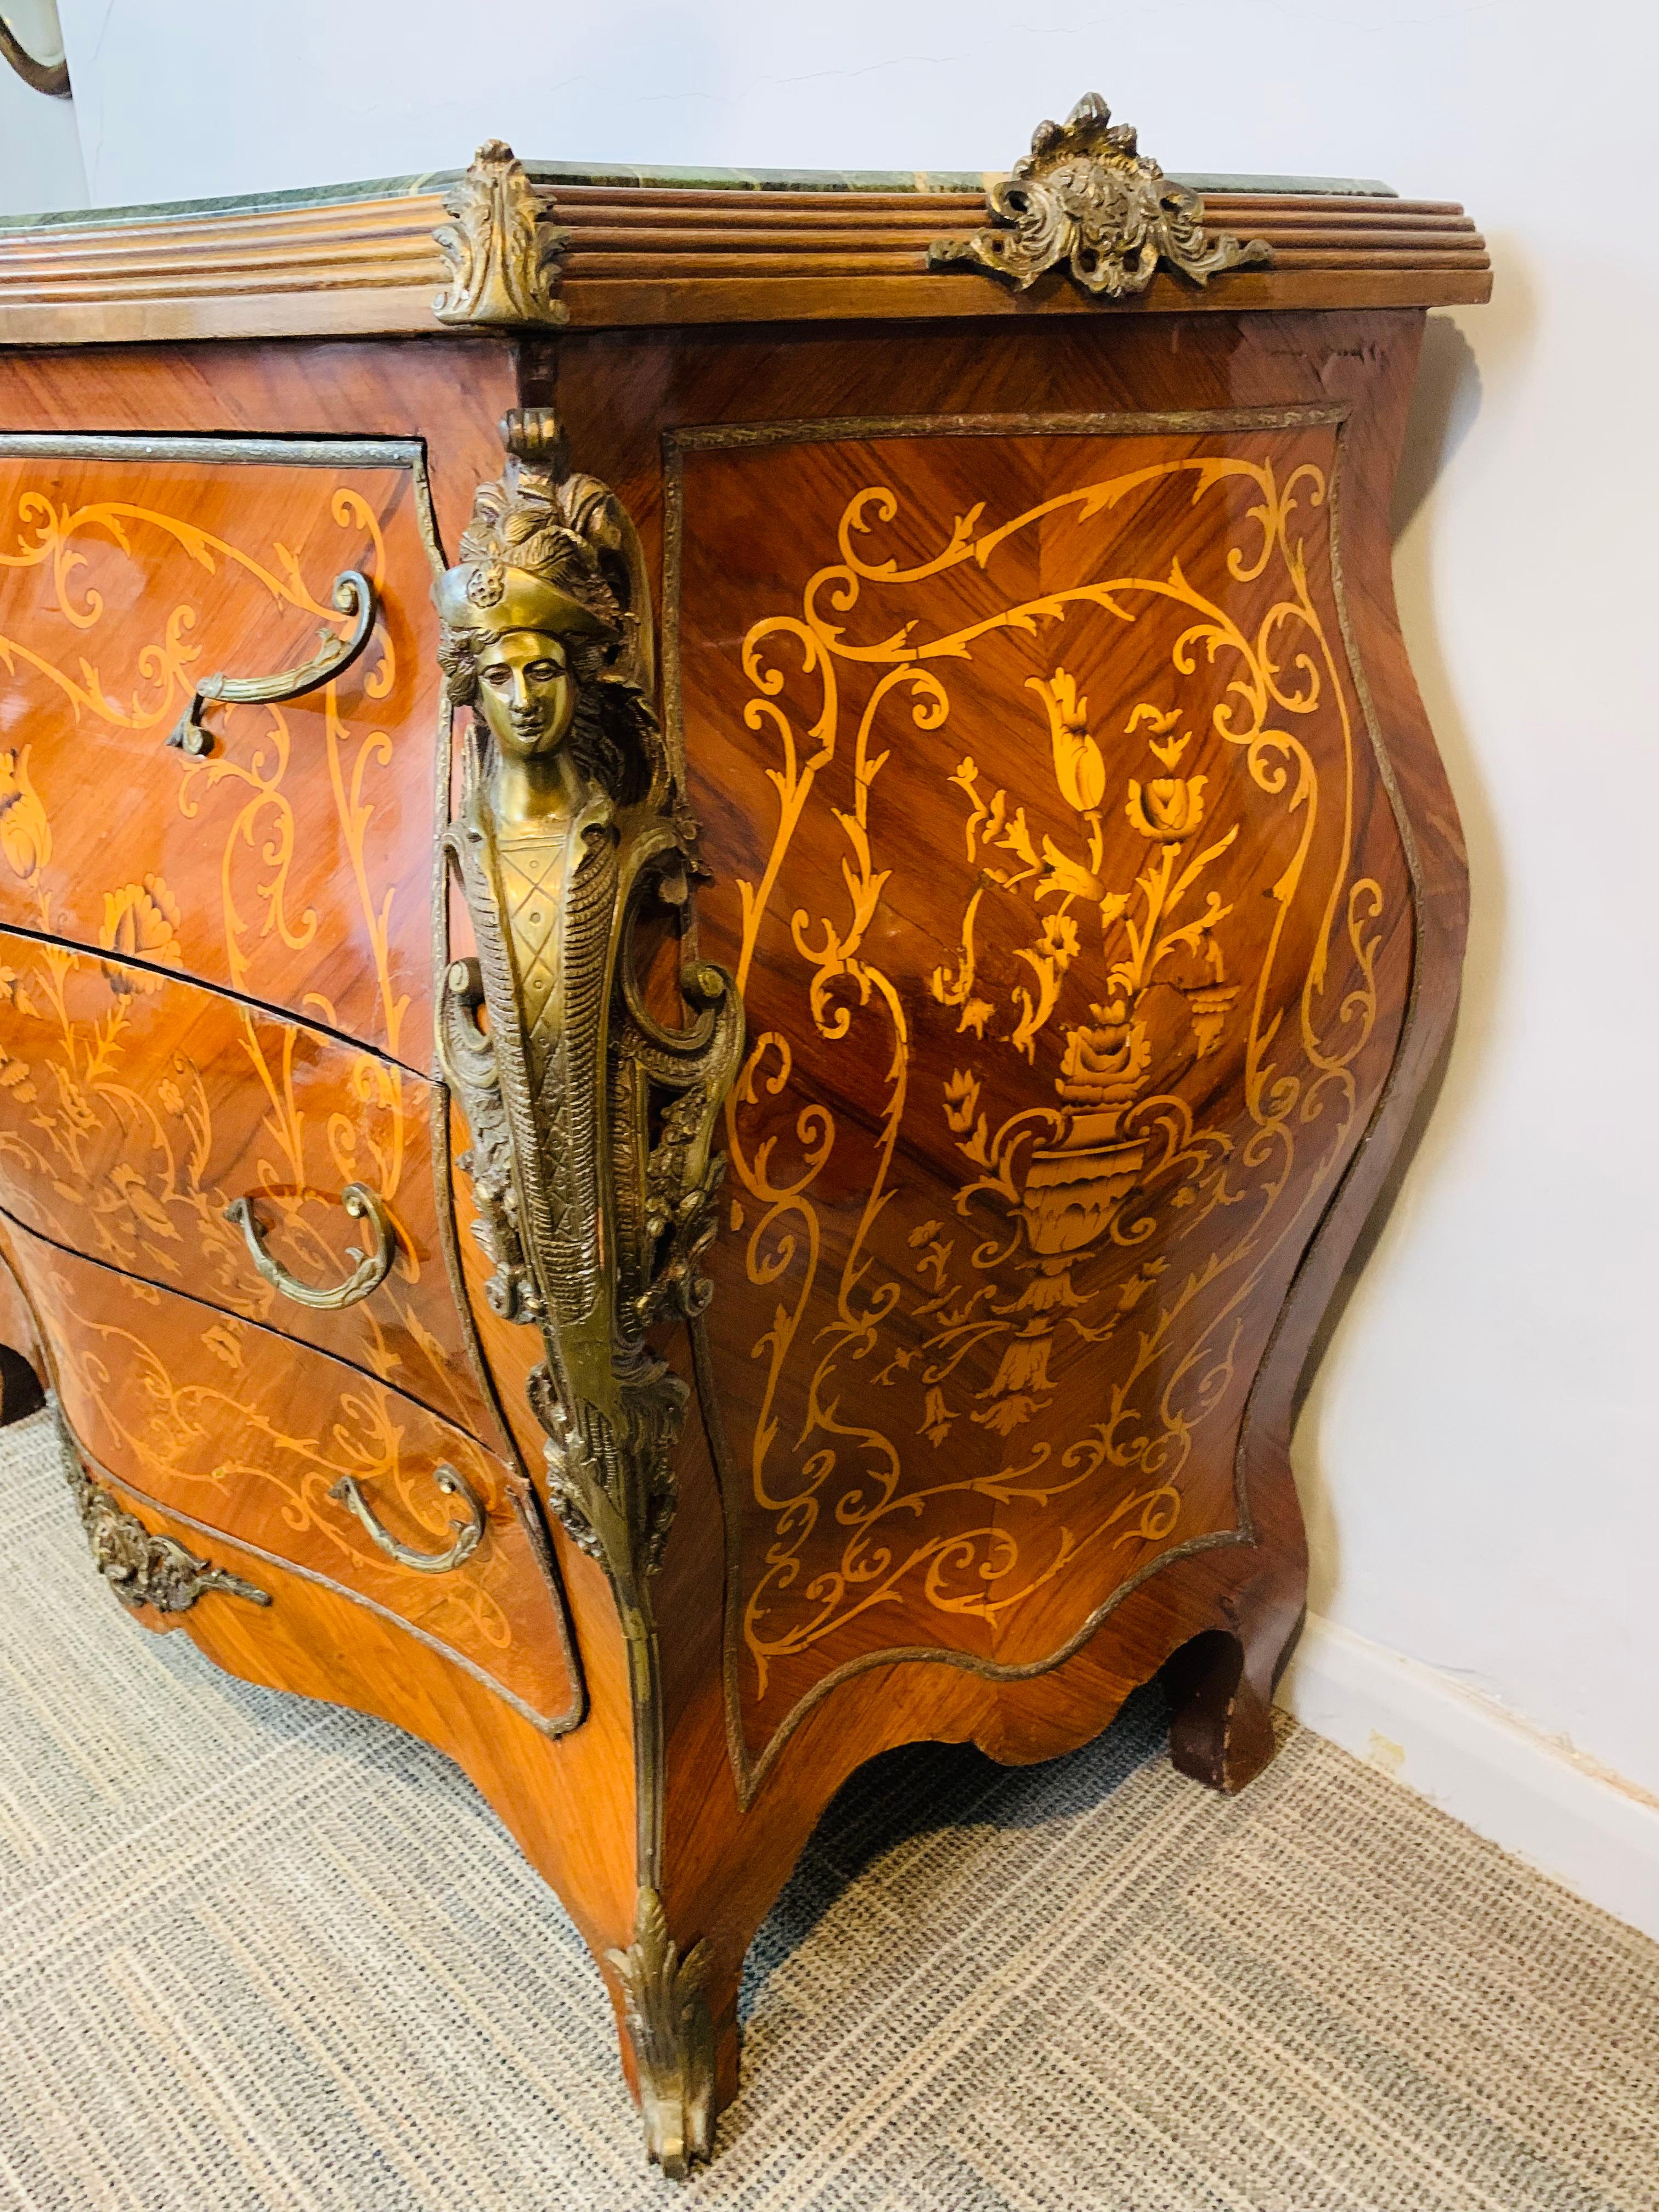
column 405, row 309
column 364, row 260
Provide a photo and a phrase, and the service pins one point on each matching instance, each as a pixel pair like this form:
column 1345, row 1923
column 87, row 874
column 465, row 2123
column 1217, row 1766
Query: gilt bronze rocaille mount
column 1086, row 197
column 141, row 1566
column 590, row 1117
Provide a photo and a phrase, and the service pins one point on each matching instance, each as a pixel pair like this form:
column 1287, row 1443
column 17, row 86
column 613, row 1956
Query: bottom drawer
column 293, row 1453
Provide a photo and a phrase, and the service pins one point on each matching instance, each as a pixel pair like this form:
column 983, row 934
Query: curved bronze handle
column 468, row 1534
column 371, row 1271
column 354, row 595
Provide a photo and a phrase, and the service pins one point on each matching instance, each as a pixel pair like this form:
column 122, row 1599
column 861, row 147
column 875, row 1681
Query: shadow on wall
column 1444, row 406
column 1453, row 383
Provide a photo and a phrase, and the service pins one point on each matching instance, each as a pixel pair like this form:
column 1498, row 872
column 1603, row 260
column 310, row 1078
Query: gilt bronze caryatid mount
column 590, row 1117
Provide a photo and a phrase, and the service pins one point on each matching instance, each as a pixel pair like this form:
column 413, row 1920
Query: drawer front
column 134, row 1110
column 292, row 861
column 252, row 1436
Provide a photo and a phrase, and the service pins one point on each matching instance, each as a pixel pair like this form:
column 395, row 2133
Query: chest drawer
column 135, row 1110
column 286, row 1450
column 292, row 860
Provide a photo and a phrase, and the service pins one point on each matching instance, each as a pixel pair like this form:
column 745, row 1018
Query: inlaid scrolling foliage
column 210, row 1436
column 1054, row 1348
column 112, row 1125
column 115, row 1149
column 245, row 788
column 94, row 1125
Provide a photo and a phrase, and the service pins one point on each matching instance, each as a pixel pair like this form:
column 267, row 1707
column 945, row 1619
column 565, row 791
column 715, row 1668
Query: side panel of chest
column 1073, row 927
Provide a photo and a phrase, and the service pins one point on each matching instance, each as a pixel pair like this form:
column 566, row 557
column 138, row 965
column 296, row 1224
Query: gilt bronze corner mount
column 592, row 1117
column 501, row 246
column 1086, row 197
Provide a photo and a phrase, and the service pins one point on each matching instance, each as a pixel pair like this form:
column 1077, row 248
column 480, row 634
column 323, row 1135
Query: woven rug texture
column 258, row 1953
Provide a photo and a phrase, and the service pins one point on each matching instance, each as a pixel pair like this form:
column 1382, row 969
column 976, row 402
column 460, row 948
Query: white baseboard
column 1525, row 1790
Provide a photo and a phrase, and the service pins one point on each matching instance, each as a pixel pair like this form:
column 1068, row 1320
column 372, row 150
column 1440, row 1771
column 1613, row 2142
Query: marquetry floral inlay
column 140, row 919
column 1101, row 1224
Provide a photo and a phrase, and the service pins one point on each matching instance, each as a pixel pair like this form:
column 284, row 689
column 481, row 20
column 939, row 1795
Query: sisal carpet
column 260, row 1954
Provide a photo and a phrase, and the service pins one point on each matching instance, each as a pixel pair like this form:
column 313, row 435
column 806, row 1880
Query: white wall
column 1478, row 1455
column 39, row 150
column 191, row 96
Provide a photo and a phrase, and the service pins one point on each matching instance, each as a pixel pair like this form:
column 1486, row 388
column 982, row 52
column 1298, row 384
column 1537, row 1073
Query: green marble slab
column 573, row 173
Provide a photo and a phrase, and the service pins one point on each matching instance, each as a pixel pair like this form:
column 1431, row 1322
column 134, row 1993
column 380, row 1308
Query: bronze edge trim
column 836, row 430
column 229, row 446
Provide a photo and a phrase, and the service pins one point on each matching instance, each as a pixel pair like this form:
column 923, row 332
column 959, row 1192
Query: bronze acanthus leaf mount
column 673, row 2042
column 502, row 247
column 1084, row 195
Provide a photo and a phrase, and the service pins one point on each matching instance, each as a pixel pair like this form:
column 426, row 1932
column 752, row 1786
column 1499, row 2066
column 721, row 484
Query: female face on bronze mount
column 526, row 692
column 520, row 647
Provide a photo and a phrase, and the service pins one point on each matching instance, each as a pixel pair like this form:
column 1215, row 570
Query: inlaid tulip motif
column 1170, row 808
column 1066, row 1184
column 1079, row 770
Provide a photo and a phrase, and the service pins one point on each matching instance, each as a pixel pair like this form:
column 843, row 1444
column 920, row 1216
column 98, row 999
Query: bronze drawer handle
column 354, row 595
column 371, row 1268
column 467, row 1533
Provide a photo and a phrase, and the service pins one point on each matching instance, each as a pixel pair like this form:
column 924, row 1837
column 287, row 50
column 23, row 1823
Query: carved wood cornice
column 653, row 254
